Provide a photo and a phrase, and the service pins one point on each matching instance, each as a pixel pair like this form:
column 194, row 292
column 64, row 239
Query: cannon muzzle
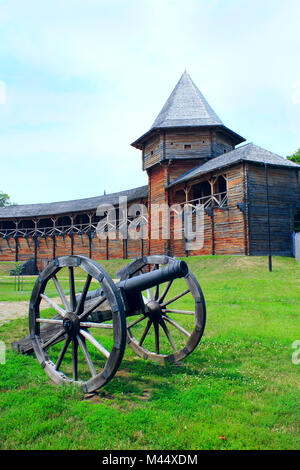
column 146, row 281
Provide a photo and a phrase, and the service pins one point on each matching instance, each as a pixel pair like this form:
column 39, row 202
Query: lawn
column 238, row 390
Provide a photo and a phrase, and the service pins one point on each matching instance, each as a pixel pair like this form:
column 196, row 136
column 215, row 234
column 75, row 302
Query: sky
column 82, row 79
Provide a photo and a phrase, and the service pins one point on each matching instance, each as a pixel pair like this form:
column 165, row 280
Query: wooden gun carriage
column 84, row 341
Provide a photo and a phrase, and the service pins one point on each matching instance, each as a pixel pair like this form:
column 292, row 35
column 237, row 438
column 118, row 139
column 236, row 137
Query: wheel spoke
column 80, row 304
column 168, row 335
column 62, row 353
column 149, row 294
column 145, row 332
column 180, row 328
column 90, row 324
column 92, row 307
column 175, row 298
column 60, row 292
column 87, row 357
column 165, row 291
column 53, row 304
column 94, row 342
column 49, row 320
column 75, row 358
column 156, row 333
column 72, row 289
column 135, row 322
column 182, row 312
column 53, row 339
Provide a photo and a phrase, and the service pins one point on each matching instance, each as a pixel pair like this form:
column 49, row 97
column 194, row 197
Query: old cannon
column 81, row 337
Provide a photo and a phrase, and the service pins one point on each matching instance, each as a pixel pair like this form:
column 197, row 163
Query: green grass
column 240, row 382
column 8, row 291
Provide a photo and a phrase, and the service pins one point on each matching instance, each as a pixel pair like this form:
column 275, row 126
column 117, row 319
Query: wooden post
column 35, row 250
column 17, row 249
column 213, row 231
column 53, row 252
column 268, row 218
column 186, row 192
column 245, row 212
column 53, row 236
column 125, row 248
column 90, row 244
column 35, row 240
column 72, row 243
column 16, row 241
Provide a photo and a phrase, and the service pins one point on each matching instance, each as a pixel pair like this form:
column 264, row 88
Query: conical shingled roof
column 186, row 106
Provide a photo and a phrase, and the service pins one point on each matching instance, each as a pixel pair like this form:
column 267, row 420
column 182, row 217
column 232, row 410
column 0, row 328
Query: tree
column 295, row 157
column 4, row 199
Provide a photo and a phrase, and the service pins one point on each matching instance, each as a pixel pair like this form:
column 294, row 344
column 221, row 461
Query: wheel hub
column 71, row 324
column 154, row 310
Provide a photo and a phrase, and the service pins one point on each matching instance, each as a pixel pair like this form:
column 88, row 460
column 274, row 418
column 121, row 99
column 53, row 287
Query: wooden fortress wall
column 48, row 248
column 225, row 229
column 239, row 228
column 43, row 249
column 283, row 192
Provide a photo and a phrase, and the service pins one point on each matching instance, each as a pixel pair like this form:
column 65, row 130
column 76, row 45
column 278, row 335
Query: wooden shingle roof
column 186, row 107
column 67, row 207
column 249, row 152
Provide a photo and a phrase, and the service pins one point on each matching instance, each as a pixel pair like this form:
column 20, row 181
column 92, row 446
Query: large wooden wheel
column 80, row 351
column 174, row 318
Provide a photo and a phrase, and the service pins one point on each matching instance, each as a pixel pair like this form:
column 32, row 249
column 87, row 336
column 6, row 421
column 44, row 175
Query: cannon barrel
column 146, row 281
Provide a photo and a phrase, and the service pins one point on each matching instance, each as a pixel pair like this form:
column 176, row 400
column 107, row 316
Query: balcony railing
column 213, row 200
column 219, row 200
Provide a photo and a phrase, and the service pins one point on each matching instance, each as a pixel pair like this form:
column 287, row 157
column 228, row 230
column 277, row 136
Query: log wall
column 199, row 141
column 223, row 144
column 179, row 144
column 44, row 249
column 240, row 227
column 157, row 195
column 225, row 229
column 283, row 194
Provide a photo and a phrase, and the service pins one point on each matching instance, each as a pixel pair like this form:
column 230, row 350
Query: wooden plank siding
column 225, row 232
column 95, row 248
column 223, row 144
column 283, row 194
column 225, row 229
column 238, row 228
column 177, row 140
column 185, row 144
column 158, row 179
column 153, row 151
column 7, row 249
column 178, row 168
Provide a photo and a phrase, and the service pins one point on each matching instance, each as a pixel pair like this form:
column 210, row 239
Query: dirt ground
column 12, row 310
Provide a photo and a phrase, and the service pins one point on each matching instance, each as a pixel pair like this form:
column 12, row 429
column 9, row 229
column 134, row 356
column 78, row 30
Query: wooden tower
column 186, row 133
